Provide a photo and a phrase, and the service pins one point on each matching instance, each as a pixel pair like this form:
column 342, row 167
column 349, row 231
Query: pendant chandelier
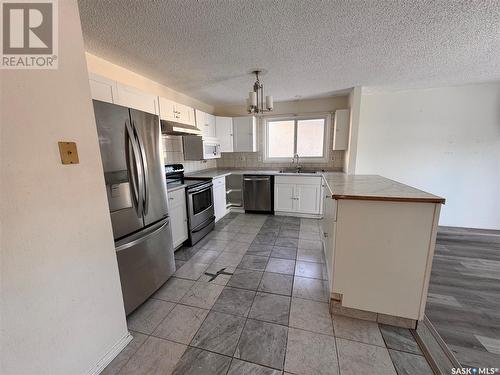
column 256, row 103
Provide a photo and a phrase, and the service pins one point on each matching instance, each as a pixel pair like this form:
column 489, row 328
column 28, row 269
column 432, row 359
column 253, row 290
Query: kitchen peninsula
column 378, row 238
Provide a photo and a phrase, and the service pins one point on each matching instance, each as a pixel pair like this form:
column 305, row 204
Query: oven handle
column 201, row 188
column 211, row 220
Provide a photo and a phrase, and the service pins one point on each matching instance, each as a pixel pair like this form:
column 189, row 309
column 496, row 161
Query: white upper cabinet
column 206, row 123
column 131, row 97
column 167, row 109
column 172, row 111
column 341, row 129
column 186, row 114
column 224, row 132
column 108, row 90
column 102, row 88
column 244, row 134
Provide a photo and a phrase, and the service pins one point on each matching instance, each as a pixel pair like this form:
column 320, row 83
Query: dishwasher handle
column 257, row 179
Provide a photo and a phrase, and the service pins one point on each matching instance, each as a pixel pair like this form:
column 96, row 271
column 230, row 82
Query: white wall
column 445, row 141
column 61, row 303
column 354, row 101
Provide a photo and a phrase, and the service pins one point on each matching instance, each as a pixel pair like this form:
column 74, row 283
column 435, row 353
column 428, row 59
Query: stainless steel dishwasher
column 258, row 192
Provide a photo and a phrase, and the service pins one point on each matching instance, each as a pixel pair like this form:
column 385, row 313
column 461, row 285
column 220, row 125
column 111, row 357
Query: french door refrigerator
column 133, row 171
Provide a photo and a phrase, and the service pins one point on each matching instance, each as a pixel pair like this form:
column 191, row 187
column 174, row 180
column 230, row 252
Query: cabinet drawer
column 177, row 198
column 302, row 180
column 219, row 181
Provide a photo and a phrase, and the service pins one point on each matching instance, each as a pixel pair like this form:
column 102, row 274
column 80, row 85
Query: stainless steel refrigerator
column 133, row 170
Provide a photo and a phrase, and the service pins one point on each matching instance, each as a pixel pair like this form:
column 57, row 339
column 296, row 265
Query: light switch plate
column 68, row 152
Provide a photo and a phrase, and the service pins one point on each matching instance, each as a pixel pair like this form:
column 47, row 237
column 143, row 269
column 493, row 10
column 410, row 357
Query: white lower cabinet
column 284, row 197
column 178, row 216
column 219, row 197
column 297, row 194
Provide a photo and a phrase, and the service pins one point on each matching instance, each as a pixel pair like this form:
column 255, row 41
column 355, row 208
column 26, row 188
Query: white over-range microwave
column 211, row 148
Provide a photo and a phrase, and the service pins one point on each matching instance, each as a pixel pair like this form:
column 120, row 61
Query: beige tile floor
column 270, row 317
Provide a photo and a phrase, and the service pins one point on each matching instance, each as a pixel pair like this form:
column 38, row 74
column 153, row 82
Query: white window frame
column 302, row 159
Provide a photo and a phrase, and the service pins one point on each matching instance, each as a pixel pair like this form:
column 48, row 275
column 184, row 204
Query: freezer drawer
column 258, row 193
column 145, row 261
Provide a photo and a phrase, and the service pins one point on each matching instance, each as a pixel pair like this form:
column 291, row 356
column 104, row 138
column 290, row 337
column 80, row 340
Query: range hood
column 176, row 128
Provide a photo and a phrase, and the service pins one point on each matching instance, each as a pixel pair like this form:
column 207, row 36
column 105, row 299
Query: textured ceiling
column 311, row 48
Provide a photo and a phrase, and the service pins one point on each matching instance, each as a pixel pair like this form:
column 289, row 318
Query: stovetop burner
column 174, row 175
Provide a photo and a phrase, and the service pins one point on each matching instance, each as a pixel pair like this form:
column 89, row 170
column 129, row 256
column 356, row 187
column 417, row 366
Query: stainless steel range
column 199, row 201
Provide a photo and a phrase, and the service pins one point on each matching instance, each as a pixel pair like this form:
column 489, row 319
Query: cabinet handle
column 171, row 198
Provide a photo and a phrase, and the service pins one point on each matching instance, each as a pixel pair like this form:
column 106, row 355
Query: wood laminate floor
column 464, row 294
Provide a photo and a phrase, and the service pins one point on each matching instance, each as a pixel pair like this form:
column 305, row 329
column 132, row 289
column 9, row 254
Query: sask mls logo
column 29, row 34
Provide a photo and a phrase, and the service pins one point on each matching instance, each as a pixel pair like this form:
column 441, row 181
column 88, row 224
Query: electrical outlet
column 259, row 158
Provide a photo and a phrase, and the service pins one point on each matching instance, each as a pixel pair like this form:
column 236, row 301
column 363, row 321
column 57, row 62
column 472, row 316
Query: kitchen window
column 305, row 136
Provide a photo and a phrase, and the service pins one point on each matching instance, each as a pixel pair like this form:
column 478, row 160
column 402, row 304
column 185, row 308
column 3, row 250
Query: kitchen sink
column 295, row 170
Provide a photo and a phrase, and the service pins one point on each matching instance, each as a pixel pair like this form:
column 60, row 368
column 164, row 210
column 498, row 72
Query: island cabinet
column 178, row 216
column 298, row 195
column 379, row 251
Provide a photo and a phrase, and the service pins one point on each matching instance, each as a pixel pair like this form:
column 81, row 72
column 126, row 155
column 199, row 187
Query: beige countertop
column 214, row 173
column 374, row 187
column 175, row 187
column 343, row 186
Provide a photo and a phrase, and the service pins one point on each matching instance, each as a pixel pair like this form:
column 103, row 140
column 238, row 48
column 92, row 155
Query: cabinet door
column 308, row 199
column 219, row 202
column 102, row 88
column 167, row 108
column 224, row 132
column 131, row 97
column 210, row 122
column 178, row 219
column 284, row 199
column 341, row 129
column 184, row 114
column 244, row 129
column 200, row 121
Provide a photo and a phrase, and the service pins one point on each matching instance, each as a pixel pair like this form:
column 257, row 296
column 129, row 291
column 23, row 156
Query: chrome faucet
column 296, row 157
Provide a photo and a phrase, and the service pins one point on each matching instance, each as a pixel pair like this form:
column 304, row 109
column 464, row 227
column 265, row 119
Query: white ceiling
column 311, row 48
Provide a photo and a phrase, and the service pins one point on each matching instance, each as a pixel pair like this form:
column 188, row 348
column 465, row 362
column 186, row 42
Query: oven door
column 200, row 205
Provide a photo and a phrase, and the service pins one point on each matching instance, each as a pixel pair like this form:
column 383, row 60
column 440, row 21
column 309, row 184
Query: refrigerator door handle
column 142, row 154
column 137, row 181
column 140, row 237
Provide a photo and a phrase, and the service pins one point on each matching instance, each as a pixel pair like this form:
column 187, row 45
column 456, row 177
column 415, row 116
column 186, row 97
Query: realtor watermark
column 474, row 370
column 29, row 34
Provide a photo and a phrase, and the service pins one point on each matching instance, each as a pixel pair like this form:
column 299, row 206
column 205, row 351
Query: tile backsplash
column 254, row 160
column 172, row 153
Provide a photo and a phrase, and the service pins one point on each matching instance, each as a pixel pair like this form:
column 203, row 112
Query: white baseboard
column 110, row 355
column 296, row 214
